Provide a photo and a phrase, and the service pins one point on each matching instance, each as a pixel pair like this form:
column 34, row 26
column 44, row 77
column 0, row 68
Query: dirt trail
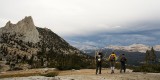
column 87, row 74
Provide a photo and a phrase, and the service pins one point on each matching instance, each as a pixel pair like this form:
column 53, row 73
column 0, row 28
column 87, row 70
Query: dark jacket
column 99, row 58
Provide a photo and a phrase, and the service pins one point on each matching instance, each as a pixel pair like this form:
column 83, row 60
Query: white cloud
column 83, row 17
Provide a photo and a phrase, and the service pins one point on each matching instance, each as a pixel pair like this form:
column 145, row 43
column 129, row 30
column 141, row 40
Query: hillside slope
column 23, row 45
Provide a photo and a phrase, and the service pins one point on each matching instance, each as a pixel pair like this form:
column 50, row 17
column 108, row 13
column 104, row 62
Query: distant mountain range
column 130, row 48
column 134, row 48
column 135, row 53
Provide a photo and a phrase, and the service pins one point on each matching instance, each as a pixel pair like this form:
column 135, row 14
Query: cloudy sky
column 107, row 21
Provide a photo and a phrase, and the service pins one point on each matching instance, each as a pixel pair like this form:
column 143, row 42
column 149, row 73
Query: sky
column 108, row 21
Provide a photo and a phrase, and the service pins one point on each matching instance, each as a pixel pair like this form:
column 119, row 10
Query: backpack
column 112, row 58
column 123, row 59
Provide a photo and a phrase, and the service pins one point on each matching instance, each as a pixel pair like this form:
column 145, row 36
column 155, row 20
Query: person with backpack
column 98, row 58
column 112, row 60
column 123, row 61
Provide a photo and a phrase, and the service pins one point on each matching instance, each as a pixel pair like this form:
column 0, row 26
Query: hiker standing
column 98, row 58
column 123, row 61
column 112, row 59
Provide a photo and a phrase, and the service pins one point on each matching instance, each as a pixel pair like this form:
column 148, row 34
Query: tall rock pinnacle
column 24, row 27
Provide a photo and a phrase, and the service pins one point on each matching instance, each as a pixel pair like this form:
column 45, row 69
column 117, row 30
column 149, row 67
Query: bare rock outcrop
column 25, row 27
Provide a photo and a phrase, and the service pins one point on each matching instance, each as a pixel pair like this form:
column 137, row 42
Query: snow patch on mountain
column 131, row 48
column 157, row 47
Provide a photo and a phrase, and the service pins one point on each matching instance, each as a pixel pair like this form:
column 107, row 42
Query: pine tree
column 153, row 55
column 150, row 56
column 147, row 56
column 24, row 58
column 31, row 60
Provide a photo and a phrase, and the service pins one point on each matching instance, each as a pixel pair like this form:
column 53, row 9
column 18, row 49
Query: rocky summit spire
column 27, row 22
column 24, row 27
column 8, row 24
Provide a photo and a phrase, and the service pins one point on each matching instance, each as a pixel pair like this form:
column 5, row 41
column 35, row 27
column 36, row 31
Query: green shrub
column 147, row 68
column 50, row 74
column 17, row 68
column 68, row 67
column 19, row 75
column 0, row 67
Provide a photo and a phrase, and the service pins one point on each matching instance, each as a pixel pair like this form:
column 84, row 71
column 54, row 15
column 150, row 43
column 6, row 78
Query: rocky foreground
column 87, row 74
